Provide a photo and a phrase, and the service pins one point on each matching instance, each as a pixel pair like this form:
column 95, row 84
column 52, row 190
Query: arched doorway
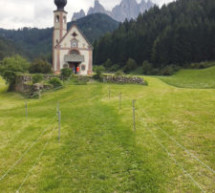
column 74, row 59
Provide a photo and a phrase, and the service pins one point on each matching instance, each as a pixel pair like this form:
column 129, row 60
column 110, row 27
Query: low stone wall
column 123, row 80
column 24, row 85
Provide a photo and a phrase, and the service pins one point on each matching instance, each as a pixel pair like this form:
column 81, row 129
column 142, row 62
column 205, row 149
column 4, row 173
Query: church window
column 83, row 67
column 74, row 43
column 57, row 19
column 74, row 52
column 64, row 19
column 74, row 34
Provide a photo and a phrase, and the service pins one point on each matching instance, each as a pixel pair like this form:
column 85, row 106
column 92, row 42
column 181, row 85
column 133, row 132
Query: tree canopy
column 177, row 34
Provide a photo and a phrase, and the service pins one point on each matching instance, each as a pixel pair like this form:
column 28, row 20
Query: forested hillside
column 38, row 42
column 180, row 33
column 7, row 48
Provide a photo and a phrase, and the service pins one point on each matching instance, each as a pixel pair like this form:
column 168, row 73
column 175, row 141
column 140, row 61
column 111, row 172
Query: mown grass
column 99, row 152
column 202, row 79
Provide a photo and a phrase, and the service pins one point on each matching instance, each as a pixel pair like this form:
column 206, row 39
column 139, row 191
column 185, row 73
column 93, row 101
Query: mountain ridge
column 36, row 42
column 127, row 9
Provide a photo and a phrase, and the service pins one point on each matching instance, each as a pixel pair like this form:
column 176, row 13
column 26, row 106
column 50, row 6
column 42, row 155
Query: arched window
column 57, row 19
column 64, row 19
column 74, row 52
column 83, row 67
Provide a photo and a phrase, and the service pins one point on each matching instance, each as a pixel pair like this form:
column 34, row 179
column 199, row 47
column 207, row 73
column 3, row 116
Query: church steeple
column 60, row 4
column 60, row 27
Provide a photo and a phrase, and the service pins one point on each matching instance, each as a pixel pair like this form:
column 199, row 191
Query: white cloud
column 39, row 13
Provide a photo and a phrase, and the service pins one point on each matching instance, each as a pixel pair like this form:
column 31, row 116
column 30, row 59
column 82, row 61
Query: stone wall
column 123, row 79
column 23, row 83
column 25, row 86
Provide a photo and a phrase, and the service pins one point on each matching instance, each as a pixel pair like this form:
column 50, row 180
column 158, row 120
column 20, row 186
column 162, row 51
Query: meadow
column 171, row 151
column 189, row 78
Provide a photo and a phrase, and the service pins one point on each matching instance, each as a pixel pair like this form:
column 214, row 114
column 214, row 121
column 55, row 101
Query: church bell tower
column 60, row 21
column 60, row 26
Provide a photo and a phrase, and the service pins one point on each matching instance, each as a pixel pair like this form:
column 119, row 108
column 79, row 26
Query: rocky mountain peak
column 127, row 9
column 98, row 8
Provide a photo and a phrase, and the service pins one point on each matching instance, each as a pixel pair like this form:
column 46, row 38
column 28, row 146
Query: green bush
column 108, row 64
column 56, row 82
column 201, row 65
column 146, row 67
column 10, row 66
column 37, row 78
column 130, row 66
column 119, row 73
column 99, row 70
column 114, row 68
column 169, row 70
column 40, row 66
column 66, row 73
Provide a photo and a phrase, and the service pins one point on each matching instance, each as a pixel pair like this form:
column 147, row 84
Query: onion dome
column 60, row 4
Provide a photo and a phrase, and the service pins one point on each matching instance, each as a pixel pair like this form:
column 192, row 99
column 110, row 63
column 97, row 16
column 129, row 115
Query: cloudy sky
column 16, row 14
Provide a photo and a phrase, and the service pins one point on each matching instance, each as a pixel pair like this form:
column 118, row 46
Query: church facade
column 71, row 49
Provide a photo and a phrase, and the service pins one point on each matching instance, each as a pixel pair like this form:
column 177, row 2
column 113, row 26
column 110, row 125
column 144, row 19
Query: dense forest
column 33, row 42
column 7, row 48
column 177, row 34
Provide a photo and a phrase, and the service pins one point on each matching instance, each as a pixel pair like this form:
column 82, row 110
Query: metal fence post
column 134, row 118
column 26, row 109
column 120, row 100
column 59, row 125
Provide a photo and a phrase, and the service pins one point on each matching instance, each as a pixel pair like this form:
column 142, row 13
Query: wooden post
column 26, row 109
column 59, row 125
column 134, row 121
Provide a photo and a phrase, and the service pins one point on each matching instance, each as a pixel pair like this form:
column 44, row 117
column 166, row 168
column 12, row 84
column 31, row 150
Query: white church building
column 70, row 48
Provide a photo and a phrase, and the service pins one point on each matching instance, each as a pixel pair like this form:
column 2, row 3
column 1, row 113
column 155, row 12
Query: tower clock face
column 74, row 44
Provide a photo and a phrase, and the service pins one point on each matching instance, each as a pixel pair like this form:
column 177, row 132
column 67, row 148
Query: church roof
column 74, row 25
column 74, row 58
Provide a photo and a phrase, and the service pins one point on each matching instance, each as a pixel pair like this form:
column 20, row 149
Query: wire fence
column 34, row 165
column 135, row 119
column 24, row 153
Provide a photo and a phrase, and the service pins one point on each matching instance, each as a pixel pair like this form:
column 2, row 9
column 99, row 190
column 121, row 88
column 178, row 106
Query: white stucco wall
column 65, row 47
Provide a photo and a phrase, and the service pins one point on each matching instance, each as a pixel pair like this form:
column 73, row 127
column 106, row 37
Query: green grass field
column 202, row 79
column 172, row 150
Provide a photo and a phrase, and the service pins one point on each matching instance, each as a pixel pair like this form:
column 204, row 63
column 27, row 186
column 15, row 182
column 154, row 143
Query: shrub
column 37, row 78
column 56, row 82
column 131, row 65
column 99, row 70
column 40, row 66
column 201, row 65
column 114, row 68
column 146, row 67
column 10, row 66
column 119, row 73
column 108, row 64
column 169, row 70
column 66, row 73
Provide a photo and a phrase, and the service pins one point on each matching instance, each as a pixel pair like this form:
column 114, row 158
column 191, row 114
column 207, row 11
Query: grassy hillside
column 99, row 152
column 192, row 78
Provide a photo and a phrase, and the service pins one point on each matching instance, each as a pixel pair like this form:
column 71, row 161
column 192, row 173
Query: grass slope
column 193, row 78
column 99, row 152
